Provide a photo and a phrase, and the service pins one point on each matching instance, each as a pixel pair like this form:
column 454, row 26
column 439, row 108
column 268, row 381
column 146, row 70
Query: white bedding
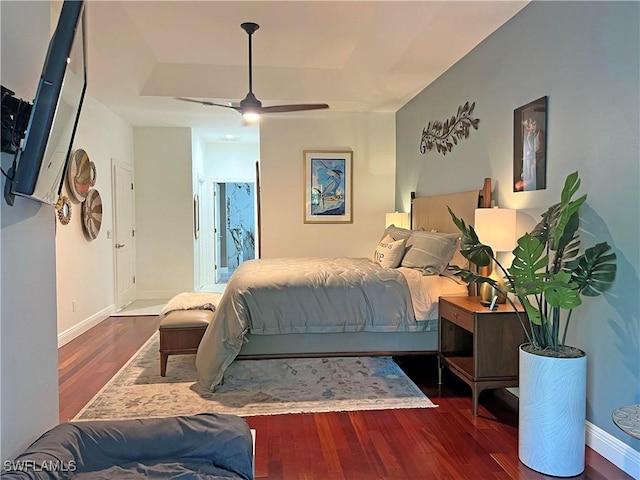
column 316, row 295
column 426, row 289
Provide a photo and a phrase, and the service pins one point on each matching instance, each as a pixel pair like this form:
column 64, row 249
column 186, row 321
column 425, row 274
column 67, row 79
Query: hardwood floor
column 88, row 362
column 447, row 442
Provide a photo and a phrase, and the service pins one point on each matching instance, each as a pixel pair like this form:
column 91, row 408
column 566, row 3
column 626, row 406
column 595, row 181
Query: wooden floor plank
column 443, row 443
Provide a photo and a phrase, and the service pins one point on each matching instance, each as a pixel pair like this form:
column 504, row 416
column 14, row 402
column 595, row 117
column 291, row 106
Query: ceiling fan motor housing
column 250, row 102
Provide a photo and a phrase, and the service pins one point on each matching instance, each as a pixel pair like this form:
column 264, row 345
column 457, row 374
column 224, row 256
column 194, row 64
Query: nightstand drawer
column 458, row 316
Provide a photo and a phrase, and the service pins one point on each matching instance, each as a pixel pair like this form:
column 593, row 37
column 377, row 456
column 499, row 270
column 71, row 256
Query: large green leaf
column 568, row 243
column 594, row 271
column 471, row 247
column 560, row 291
column 571, row 186
column 541, row 230
column 527, row 268
column 566, row 210
column 472, row 277
column 570, row 252
column 532, row 312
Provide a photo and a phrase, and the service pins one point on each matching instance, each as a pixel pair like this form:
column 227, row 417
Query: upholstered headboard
column 431, row 213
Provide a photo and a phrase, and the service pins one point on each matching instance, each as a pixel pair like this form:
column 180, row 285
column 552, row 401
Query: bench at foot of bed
column 181, row 332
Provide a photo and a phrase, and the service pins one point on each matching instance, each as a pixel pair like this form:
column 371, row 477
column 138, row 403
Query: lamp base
column 487, row 292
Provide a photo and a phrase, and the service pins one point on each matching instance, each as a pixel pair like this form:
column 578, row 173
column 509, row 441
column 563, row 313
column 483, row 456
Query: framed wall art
column 328, row 186
column 530, row 146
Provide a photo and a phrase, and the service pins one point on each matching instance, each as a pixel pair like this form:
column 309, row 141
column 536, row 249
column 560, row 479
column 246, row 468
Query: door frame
column 114, row 235
column 256, row 216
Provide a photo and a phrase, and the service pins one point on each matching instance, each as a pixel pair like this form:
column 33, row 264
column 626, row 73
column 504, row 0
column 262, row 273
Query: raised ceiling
column 356, row 56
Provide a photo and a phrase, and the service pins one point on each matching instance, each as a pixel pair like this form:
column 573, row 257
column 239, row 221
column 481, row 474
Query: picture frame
column 530, row 146
column 328, row 186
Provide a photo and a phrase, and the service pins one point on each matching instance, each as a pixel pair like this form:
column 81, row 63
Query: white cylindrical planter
column 552, row 413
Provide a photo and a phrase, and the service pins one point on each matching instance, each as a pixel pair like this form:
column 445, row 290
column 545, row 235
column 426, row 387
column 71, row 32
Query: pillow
column 458, row 260
column 396, row 233
column 430, row 251
column 389, row 252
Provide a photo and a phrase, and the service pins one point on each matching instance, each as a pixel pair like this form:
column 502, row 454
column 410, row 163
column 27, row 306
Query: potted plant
column 548, row 276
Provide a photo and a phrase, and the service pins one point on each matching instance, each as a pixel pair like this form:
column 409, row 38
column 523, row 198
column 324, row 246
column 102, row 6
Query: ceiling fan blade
column 294, row 108
column 250, row 105
column 208, row 104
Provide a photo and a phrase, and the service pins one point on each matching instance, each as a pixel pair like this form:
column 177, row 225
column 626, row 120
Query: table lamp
column 496, row 227
column 398, row 219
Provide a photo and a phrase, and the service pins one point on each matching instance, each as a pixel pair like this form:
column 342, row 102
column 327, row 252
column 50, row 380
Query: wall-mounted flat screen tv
column 43, row 157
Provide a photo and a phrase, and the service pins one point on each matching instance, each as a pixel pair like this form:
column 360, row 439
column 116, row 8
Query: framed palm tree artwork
column 328, row 186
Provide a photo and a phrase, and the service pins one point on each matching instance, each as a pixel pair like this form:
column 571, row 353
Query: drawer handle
column 455, row 315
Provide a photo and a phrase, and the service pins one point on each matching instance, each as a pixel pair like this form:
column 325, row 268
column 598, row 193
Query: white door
column 124, row 235
column 205, row 262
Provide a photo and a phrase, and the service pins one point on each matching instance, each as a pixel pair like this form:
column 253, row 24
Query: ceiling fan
column 250, row 107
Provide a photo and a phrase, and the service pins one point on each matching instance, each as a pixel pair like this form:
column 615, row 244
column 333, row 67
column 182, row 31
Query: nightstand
column 478, row 345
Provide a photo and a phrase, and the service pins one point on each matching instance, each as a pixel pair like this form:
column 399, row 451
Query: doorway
column 235, row 217
column 124, row 231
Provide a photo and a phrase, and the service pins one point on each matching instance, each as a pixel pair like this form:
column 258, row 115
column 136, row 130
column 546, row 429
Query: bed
column 344, row 306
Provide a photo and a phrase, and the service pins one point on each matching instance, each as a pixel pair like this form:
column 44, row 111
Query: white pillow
column 396, row 233
column 389, row 252
column 430, row 252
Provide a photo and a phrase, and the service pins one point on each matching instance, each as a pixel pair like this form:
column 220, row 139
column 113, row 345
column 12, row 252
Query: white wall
column 371, row 137
column 85, row 272
column 164, row 211
column 28, row 346
column 198, row 186
column 584, row 56
column 231, row 162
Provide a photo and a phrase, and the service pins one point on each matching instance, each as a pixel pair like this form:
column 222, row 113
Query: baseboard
column 79, row 328
column 615, row 451
column 506, row 396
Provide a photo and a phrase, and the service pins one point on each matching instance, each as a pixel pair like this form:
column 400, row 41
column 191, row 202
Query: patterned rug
column 254, row 387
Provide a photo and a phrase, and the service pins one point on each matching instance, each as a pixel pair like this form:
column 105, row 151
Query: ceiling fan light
column 250, row 116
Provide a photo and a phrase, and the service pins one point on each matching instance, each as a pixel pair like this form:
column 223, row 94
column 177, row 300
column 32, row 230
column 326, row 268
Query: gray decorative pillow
column 430, row 251
column 458, row 260
column 397, row 233
column 389, row 252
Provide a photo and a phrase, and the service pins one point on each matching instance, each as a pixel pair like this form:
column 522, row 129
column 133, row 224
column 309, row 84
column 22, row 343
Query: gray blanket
column 204, row 446
column 303, row 295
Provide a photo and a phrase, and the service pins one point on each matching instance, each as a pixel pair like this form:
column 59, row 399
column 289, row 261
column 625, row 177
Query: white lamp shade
column 496, row 227
column 398, row 219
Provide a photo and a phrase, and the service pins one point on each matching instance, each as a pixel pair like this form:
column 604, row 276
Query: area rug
column 254, row 387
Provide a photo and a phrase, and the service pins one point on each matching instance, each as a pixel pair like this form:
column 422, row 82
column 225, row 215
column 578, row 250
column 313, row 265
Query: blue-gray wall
column 585, row 57
column 28, row 343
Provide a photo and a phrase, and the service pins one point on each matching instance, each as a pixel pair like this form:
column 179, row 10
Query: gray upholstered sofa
column 202, row 446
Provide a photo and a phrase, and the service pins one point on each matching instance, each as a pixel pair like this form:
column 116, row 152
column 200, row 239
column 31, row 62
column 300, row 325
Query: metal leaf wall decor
column 443, row 136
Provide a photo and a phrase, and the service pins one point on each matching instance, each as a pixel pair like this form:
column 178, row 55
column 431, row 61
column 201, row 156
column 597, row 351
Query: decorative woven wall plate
column 63, row 208
column 81, row 175
column 92, row 214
